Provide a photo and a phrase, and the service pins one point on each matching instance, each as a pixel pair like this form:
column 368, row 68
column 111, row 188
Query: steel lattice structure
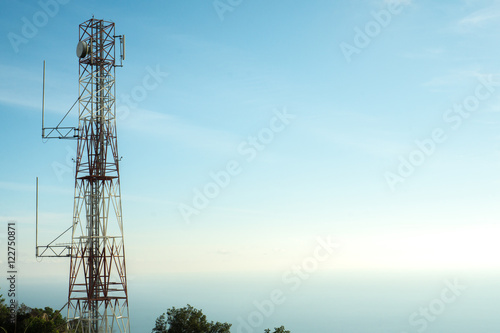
column 97, row 300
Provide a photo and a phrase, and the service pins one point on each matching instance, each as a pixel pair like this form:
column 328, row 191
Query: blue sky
column 224, row 80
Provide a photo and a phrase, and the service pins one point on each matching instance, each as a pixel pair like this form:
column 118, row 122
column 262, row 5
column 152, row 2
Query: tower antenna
column 97, row 296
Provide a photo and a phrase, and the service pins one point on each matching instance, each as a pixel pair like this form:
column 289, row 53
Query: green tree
column 160, row 325
column 5, row 321
column 30, row 320
column 187, row 320
column 2, row 313
column 40, row 320
column 277, row 330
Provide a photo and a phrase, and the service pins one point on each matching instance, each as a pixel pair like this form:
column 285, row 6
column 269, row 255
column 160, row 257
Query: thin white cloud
column 369, row 141
column 175, row 129
column 224, row 252
column 429, row 53
column 398, row 2
column 23, row 87
column 455, row 78
column 482, row 16
column 147, row 199
column 23, row 187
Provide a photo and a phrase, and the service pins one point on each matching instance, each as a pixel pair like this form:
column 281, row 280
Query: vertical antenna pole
column 43, row 102
column 123, row 58
column 36, row 217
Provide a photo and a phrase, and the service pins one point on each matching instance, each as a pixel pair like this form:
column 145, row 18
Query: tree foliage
column 30, row 320
column 188, row 320
column 280, row 329
column 191, row 320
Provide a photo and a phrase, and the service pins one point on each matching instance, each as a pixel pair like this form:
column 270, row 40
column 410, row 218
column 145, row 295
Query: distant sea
column 325, row 302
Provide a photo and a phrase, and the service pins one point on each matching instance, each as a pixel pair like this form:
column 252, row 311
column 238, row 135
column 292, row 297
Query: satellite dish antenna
column 82, row 49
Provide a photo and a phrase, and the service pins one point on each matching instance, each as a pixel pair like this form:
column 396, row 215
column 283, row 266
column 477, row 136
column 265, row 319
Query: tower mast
column 97, row 298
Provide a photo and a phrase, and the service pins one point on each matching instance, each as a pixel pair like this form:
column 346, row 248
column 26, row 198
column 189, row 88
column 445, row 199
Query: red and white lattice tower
column 97, row 300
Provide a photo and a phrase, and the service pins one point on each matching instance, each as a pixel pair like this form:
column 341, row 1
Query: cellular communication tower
column 97, row 298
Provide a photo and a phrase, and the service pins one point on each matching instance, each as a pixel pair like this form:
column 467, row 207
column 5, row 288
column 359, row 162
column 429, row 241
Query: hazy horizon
column 327, row 302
